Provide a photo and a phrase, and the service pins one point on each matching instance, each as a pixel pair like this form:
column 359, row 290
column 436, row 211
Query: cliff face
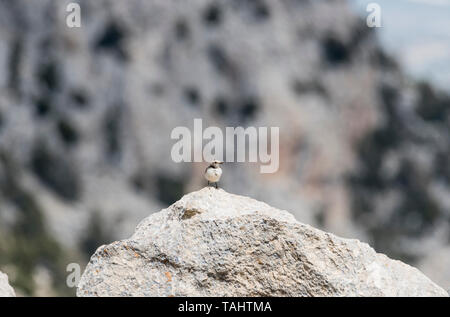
column 86, row 116
column 212, row 243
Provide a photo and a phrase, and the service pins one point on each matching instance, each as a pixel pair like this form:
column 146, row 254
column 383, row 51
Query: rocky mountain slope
column 212, row 243
column 86, row 116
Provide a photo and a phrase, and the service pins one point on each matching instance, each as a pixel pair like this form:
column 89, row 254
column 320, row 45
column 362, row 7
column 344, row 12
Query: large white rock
column 212, row 243
column 5, row 289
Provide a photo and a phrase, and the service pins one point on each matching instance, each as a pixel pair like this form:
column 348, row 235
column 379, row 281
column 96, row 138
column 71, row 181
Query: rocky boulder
column 5, row 289
column 212, row 243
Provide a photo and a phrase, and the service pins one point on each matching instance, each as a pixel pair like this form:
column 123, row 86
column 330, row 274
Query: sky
column 417, row 32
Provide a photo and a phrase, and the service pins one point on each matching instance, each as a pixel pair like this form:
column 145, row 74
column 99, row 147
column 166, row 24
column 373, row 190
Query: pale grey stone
column 5, row 289
column 212, row 243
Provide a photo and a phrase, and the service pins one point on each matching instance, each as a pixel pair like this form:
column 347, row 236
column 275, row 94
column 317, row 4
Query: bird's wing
column 208, row 167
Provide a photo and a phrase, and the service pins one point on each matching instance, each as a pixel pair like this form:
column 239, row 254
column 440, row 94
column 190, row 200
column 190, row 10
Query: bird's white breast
column 213, row 174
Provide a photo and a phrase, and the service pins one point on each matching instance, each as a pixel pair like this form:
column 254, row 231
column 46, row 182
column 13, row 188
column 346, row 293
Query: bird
column 213, row 172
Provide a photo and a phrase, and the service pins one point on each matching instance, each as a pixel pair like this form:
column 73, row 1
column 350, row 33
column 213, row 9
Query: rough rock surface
column 5, row 289
column 212, row 243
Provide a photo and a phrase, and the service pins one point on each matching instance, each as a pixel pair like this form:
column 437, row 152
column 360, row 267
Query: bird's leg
column 216, row 185
column 208, row 183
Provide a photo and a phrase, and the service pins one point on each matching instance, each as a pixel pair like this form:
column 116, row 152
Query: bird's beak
column 221, row 162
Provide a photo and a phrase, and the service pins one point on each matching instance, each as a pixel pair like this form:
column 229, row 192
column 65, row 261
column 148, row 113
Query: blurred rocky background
column 86, row 115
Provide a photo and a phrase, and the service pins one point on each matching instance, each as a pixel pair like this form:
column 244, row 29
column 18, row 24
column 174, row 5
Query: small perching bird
column 213, row 172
